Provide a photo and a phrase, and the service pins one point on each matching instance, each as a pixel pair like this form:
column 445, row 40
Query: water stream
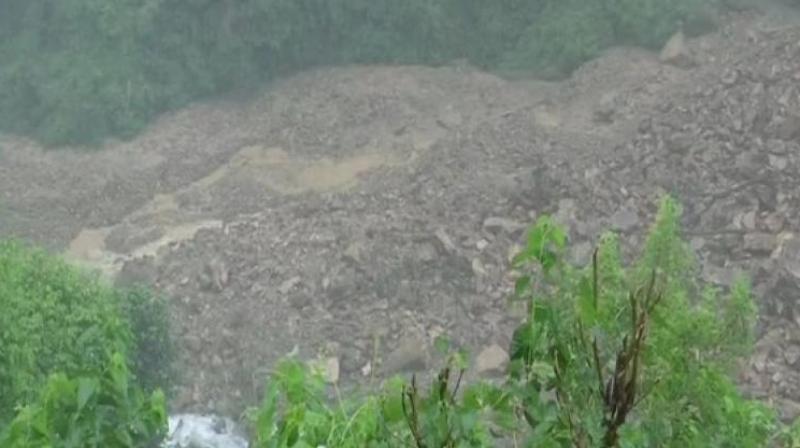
column 203, row 431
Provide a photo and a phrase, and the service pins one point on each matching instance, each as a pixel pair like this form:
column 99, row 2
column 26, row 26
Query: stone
column 774, row 222
column 445, row 240
column 354, row 252
column 478, row 269
column 676, row 53
column 778, row 162
column 624, row 220
column 748, row 220
column 426, row 253
column 497, row 224
column 789, row 409
column 481, row 245
column 789, row 129
column 759, row 243
column 759, row 362
column 216, row 275
column 492, row 360
column 791, row 354
column 697, row 243
column 788, row 254
column 606, row 108
column 409, row 356
column 288, row 285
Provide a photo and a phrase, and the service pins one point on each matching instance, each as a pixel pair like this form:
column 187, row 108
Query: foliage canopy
column 78, row 71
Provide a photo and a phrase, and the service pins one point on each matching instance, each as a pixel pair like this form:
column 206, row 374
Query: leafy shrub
column 58, row 319
column 295, row 413
column 562, row 36
column 609, row 357
column 644, row 368
column 54, row 319
column 90, row 411
column 78, row 71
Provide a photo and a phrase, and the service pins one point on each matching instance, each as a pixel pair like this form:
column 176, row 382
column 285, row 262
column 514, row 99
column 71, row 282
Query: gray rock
column 497, row 224
column 788, row 255
column 354, row 252
column 409, row 356
column 606, row 108
column 492, row 360
column 778, row 162
column 789, row 129
column 137, row 272
column 791, row 354
column 426, row 253
column 289, row 284
column 676, row 53
column 216, row 275
column 624, row 220
column 759, row 243
column 789, row 409
column 445, row 240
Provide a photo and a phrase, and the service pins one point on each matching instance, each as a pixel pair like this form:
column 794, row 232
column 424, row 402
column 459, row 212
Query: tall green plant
column 644, row 368
column 104, row 411
column 54, row 319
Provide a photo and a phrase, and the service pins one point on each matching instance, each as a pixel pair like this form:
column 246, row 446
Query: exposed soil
column 354, row 214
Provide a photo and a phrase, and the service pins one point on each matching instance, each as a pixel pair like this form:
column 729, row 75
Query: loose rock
column 289, row 284
column 492, row 360
column 759, row 243
column 409, row 356
column 496, row 225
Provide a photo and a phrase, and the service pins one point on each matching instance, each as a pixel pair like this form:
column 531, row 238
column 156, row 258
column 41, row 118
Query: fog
column 345, row 182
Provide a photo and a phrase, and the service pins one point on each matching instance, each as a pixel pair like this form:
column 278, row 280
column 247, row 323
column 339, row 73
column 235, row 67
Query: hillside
column 348, row 207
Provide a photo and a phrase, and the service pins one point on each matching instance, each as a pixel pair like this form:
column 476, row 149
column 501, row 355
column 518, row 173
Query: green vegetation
column 57, row 319
column 609, row 356
column 92, row 411
column 78, row 71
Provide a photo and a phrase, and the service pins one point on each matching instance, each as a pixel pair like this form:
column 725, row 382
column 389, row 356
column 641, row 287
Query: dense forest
column 77, row 71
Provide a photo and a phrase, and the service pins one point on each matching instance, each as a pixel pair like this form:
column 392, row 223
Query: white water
column 200, row 431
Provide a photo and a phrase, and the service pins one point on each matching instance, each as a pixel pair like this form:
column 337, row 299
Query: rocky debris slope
column 729, row 149
column 369, row 277
column 364, row 278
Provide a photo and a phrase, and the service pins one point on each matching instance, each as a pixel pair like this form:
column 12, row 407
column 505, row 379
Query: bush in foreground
column 107, row 410
column 57, row 319
column 54, row 319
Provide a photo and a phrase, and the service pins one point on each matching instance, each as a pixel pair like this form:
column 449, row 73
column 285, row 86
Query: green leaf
column 522, row 287
column 87, row 387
